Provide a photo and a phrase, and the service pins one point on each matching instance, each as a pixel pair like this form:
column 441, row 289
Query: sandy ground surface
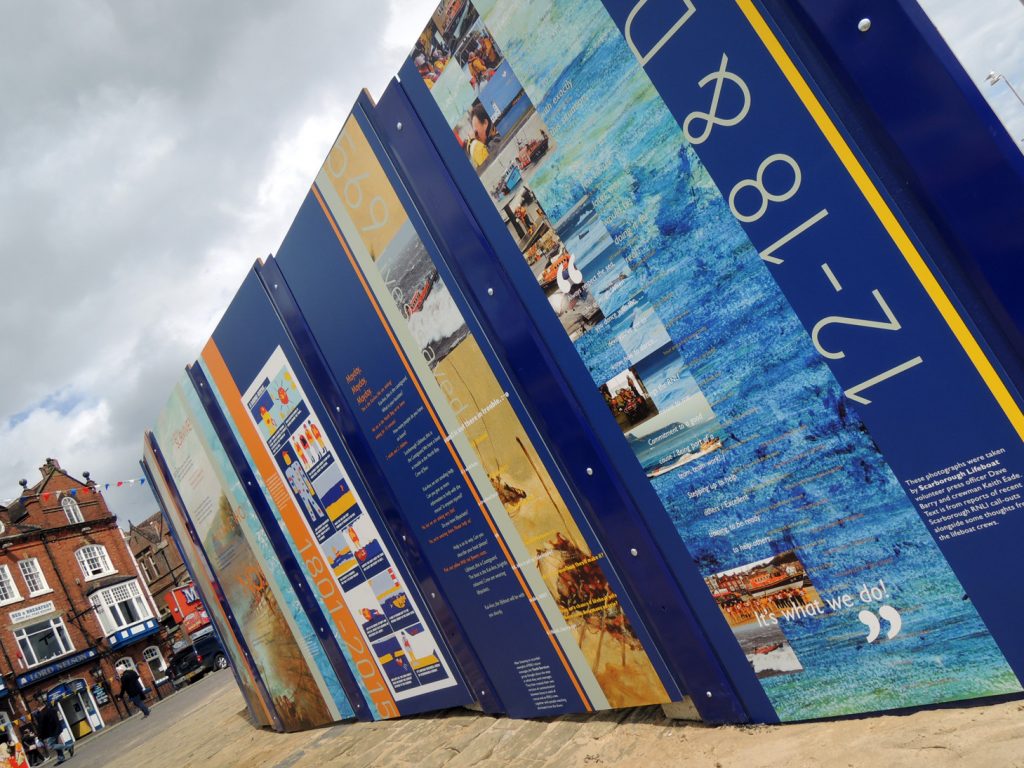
column 206, row 725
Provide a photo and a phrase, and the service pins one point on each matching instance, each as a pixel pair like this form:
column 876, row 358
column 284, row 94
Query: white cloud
column 986, row 36
column 150, row 154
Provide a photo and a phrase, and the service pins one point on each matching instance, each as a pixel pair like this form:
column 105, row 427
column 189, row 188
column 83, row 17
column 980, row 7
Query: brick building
column 72, row 603
column 162, row 568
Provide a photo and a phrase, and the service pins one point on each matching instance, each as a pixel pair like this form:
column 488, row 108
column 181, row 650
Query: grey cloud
column 135, row 141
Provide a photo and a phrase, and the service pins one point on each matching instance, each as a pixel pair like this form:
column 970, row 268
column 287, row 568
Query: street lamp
column 994, row 77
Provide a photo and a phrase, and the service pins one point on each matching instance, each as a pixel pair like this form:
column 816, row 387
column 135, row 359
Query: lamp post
column 994, row 77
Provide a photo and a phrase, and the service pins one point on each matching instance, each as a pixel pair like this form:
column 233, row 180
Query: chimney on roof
column 50, row 464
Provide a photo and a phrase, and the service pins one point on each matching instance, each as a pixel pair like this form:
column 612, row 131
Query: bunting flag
column 88, row 490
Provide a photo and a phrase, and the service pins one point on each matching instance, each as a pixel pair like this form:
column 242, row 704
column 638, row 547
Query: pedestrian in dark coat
column 50, row 726
column 131, row 687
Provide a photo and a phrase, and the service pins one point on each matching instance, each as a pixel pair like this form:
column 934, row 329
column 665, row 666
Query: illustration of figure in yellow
column 268, row 420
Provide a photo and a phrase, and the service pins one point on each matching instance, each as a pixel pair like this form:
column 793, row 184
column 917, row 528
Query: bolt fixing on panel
column 864, row 25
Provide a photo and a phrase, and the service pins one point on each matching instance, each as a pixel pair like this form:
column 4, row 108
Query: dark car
column 189, row 664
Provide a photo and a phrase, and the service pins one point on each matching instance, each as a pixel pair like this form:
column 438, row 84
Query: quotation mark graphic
column 887, row 612
column 572, row 275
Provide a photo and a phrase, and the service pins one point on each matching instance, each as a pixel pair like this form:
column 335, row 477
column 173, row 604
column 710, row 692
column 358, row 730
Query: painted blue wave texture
column 794, row 452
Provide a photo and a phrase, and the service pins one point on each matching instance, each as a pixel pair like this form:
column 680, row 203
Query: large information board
column 257, row 697
column 283, row 643
column 767, row 337
column 597, row 368
column 350, row 561
column 531, row 587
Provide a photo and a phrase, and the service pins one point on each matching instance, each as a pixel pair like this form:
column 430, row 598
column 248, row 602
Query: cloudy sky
column 151, row 151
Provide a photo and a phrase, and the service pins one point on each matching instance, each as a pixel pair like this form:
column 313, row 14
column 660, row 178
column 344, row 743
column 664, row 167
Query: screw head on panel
column 633, row 552
column 490, row 291
column 708, row 694
column 433, row 595
column 590, row 470
column 398, row 126
column 337, row 408
column 864, row 25
column 275, row 286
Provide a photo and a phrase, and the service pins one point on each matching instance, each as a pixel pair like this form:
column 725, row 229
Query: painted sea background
column 798, row 469
column 259, row 544
column 332, row 626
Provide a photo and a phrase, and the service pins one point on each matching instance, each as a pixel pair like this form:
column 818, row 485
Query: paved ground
column 206, row 725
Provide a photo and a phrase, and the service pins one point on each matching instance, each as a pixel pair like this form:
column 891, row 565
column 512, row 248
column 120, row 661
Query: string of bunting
column 98, row 488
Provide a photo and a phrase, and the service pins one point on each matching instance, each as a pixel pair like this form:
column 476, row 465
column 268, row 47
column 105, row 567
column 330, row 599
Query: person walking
column 131, row 686
column 50, row 728
column 30, row 741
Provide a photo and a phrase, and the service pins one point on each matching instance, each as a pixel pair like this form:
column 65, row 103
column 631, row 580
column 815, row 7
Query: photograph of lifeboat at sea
column 415, row 285
column 756, row 599
column 676, row 437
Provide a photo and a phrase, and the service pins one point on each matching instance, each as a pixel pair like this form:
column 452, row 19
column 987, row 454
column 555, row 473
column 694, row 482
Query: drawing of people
column 302, row 488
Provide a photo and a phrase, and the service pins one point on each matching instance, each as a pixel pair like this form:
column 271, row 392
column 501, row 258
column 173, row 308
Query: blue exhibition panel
column 326, row 524
column 545, row 648
column 720, row 265
column 632, row 350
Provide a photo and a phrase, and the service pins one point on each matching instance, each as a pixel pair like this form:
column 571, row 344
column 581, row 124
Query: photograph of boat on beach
column 765, row 590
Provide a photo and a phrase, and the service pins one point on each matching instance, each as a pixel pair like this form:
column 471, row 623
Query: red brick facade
column 72, row 603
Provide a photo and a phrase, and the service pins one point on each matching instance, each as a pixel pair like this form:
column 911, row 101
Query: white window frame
column 82, row 555
column 156, row 655
column 72, row 510
column 55, row 622
column 7, row 584
column 108, row 606
column 127, row 661
column 29, row 568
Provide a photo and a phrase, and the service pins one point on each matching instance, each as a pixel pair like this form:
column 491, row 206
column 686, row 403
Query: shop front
column 77, row 705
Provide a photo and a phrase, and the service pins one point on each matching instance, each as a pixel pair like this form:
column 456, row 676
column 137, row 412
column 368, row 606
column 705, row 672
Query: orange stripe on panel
column 327, row 586
column 458, row 461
